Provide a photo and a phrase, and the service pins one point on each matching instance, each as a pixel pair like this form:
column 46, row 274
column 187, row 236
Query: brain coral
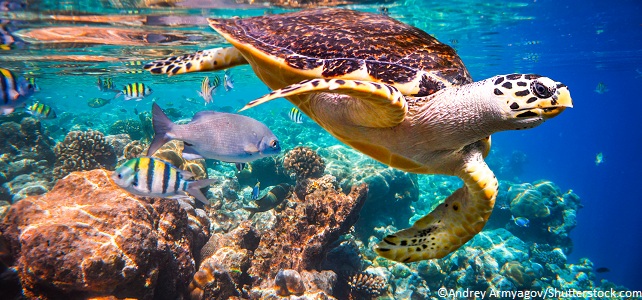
column 304, row 163
column 83, row 150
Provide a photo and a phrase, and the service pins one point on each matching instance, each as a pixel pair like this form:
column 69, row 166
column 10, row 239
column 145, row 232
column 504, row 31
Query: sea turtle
column 394, row 93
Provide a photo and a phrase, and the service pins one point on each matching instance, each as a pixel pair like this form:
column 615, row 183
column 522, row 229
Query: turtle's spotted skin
column 394, row 93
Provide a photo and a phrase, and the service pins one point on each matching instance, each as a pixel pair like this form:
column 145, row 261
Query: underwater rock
column 83, row 150
column 26, row 150
column 89, row 238
column 303, row 163
column 26, row 185
column 172, row 152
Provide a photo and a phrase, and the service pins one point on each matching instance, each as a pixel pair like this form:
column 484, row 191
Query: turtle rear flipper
column 462, row 215
column 368, row 99
column 205, row 60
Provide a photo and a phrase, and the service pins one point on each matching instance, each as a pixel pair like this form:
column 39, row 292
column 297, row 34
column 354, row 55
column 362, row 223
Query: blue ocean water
column 595, row 48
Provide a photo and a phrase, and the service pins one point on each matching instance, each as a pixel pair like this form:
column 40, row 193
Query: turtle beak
column 559, row 103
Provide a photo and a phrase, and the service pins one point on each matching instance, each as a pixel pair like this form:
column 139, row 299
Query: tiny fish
column 150, row 177
column 383, row 10
column 32, row 81
column 599, row 159
column 215, row 135
column 105, row 85
column 295, row 115
column 520, row 221
column 601, row 88
column 602, row 270
column 207, row 90
column 136, row 91
column 41, row 111
column 255, row 191
column 98, row 102
column 228, row 81
column 14, row 91
column 504, row 205
column 272, row 199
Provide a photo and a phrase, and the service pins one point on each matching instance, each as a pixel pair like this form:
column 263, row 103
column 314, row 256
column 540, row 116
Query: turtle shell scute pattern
column 342, row 41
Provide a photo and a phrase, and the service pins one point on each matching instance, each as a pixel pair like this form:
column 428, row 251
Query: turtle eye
column 540, row 90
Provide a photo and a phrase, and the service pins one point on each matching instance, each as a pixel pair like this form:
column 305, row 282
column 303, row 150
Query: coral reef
column 387, row 187
column 83, row 150
column 280, row 253
column 366, row 286
column 551, row 213
column 89, row 238
column 127, row 126
column 303, row 163
column 172, row 153
column 26, row 151
column 134, row 149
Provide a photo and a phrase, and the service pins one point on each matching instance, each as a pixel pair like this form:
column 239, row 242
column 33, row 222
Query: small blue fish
column 601, row 88
column 136, row 91
column 295, row 115
column 150, row 177
column 41, row 111
column 520, row 221
column 228, row 81
column 14, row 91
column 255, row 191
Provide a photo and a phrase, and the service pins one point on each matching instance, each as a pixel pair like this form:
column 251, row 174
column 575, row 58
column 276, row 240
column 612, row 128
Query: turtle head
column 528, row 99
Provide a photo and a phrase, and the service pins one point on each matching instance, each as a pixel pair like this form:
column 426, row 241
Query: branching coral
column 304, row 163
column 83, row 150
column 366, row 286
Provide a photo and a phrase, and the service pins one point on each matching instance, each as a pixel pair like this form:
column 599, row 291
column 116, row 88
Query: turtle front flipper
column 205, row 60
column 462, row 215
column 367, row 99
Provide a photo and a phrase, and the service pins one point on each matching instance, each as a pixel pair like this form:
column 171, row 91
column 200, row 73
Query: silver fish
column 216, row 135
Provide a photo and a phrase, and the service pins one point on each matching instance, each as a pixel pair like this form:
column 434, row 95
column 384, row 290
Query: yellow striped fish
column 14, row 91
column 150, row 177
column 105, row 85
column 32, row 81
column 136, row 91
column 207, row 90
column 41, row 111
column 295, row 115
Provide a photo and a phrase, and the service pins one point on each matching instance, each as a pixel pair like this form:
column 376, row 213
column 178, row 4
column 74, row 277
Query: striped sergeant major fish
column 14, row 91
column 105, row 85
column 207, row 90
column 41, row 111
column 151, row 177
column 136, row 90
column 295, row 115
column 32, row 81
